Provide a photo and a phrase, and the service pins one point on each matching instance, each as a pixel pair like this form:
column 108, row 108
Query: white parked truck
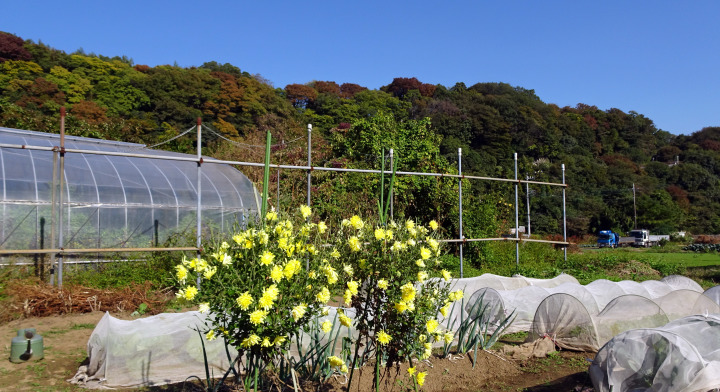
column 644, row 239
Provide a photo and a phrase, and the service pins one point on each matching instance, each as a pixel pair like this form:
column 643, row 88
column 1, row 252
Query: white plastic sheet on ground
column 681, row 356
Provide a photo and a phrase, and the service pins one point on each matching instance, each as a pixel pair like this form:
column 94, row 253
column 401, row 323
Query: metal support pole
column 61, row 213
column 391, row 189
column 517, row 219
column 527, row 196
column 309, row 156
column 460, row 210
column 198, row 235
column 564, row 213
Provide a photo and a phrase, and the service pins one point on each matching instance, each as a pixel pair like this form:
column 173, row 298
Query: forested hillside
column 606, row 152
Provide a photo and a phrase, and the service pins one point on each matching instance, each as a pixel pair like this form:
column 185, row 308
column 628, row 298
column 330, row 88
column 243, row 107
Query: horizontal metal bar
column 93, row 250
column 505, row 239
column 275, row 166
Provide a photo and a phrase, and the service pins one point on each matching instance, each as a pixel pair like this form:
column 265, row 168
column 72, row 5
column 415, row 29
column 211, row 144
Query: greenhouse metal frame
column 93, row 153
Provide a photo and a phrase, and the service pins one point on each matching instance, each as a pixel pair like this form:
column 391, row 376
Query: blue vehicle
column 607, row 238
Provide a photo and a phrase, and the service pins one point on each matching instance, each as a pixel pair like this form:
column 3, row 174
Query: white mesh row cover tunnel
column 166, row 348
column 572, row 326
column 594, row 297
column 681, row 356
column 713, row 293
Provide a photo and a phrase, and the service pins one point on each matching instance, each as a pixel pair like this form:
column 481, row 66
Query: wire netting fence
column 52, row 242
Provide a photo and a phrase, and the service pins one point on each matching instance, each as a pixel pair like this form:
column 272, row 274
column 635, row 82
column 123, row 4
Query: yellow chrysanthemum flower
column 322, row 227
column 267, row 258
column 204, row 307
column 356, row 222
column 226, row 260
column 409, row 224
column 433, row 225
column 354, row 243
column 335, row 254
column 181, row 273
column 425, row 253
column 420, row 263
column 271, row 216
column 383, row 338
column 335, row 361
column 379, row 234
column 298, row 311
column 266, row 342
column 250, row 341
column 348, row 269
column 291, row 268
column 201, row 265
column 190, row 292
column 448, row 337
column 411, row 370
column 266, row 302
column 353, row 286
column 306, row 211
column 431, row 325
column 445, row 310
column 347, row 297
column 455, row 295
column 421, row 378
column 209, row 272
column 401, row 306
column 276, row 274
column 323, row 296
column 258, row 317
column 382, row 284
column 244, row 300
column 345, row 320
column 279, row 340
column 343, row 368
column 446, row 275
column 433, row 243
column 421, row 276
column 326, row 326
column 408, row 292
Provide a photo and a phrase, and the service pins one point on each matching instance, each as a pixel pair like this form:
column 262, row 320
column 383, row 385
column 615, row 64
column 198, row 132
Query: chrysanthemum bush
column 385, row 275
column 266, row 284
column 257, row 288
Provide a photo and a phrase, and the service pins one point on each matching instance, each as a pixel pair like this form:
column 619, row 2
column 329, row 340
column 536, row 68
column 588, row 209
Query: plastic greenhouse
column 110, row 198
column 682, row 356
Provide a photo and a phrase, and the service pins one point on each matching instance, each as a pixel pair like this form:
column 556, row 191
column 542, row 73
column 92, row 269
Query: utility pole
column 634, row 208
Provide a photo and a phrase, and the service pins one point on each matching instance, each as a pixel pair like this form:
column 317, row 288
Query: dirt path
column 65, row 339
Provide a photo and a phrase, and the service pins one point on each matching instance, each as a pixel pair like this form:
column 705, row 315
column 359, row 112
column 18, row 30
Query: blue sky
column 658, row 58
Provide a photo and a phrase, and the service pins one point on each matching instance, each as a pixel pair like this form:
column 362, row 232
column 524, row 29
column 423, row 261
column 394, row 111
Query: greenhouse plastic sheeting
column 111, row 201
column 681, row 356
